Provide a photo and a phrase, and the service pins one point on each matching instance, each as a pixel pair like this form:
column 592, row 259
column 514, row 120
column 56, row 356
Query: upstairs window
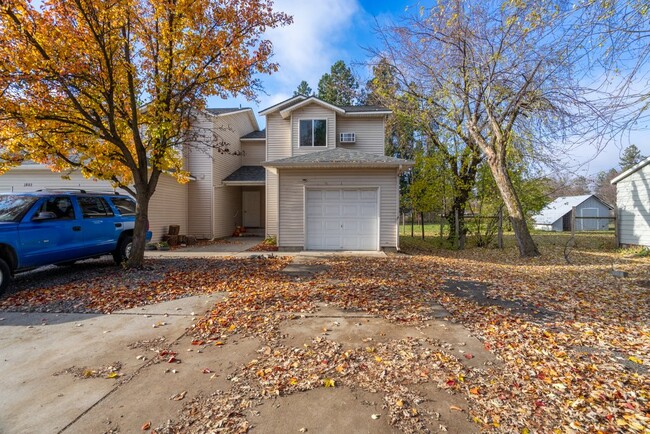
column 313, row 132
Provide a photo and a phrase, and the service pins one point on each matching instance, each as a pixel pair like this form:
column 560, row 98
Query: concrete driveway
column 57, row 371
column 77, row 373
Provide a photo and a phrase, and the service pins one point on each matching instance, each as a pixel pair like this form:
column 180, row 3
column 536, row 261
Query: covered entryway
column 342, row 219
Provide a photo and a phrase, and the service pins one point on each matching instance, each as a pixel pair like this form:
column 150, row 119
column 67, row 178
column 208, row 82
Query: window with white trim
column 313, row 132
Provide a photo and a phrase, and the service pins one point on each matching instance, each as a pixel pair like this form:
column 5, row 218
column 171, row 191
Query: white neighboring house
column 633, row 203
column 556, row 216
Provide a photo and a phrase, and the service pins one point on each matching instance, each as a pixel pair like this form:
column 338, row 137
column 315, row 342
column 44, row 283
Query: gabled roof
column 338, row 157
column 560, row 207
column 287, row 107
column 221, row 111
column 282, row 104
column 227, row 111
column 254, row 135
column 631, row 170
column 247, row 175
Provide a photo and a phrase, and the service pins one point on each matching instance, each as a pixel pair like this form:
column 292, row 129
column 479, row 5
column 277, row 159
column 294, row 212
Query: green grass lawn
column 597, row 240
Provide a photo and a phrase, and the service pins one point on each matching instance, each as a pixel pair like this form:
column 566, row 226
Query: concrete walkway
column 238, row 247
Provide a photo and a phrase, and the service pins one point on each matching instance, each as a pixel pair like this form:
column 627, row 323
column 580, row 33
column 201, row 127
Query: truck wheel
column 123, row 251
column 5, row 276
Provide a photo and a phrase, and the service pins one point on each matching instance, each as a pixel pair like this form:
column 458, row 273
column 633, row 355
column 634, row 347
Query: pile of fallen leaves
column 582, row 369
column 105, row 289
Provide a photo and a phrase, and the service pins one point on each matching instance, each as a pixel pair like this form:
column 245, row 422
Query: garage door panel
column 342, row 219
column 314, row 210
column 368, row 211
column 331, row 195
column 349, row 210
column 331, row 211
column 314, row 194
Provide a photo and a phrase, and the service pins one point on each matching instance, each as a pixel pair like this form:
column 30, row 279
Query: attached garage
column 342, row 219
column 336, row 199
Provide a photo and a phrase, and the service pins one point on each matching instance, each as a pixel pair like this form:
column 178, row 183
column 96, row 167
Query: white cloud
column 307, row 48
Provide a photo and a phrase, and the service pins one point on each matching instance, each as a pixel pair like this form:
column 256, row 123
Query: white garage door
column 342, row 219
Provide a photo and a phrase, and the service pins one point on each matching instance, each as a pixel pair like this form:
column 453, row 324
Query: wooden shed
column 633, row 202
column 556, row 216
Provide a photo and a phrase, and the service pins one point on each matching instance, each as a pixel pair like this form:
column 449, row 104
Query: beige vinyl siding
column 633, row 201
column 168, row 206
column 312, row 111
column 369, row 134
column 25, row 179
column 253, row 153
column 227, row 199
column 271, row 196
column 278, row 145
column 200, row 192
column 293, row 184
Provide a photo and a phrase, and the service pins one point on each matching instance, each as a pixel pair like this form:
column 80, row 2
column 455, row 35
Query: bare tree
column 500, row 77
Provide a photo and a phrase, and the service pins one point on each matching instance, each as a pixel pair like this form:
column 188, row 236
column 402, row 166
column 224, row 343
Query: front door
column 251, row 209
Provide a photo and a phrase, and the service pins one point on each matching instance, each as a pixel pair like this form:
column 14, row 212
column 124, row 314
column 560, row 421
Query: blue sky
column 329, row 30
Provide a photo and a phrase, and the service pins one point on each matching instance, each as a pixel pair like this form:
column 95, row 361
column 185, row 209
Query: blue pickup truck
column 61, row 227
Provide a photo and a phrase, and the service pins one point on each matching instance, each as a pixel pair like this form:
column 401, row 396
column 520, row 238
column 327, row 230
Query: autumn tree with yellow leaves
column 111, row 87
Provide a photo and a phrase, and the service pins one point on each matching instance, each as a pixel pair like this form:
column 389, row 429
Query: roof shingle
column 338, row 157
column 247, row 174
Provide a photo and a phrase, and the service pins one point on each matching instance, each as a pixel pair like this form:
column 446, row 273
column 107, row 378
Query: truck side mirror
column 44, row 215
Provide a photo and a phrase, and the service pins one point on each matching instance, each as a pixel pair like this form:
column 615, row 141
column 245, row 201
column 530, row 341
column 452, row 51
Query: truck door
column 50, row 233
column 100, row 227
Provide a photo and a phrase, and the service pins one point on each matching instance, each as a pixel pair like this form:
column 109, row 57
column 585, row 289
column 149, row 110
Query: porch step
column 254, row 232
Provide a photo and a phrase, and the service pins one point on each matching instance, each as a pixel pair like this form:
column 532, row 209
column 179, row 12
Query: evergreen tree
column 339, row 87
column 631, row 157
column 303, row 89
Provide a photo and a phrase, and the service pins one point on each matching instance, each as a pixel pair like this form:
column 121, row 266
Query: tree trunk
column 422, row 223
column 141, row 227
column 460, row 201
column 525, row 242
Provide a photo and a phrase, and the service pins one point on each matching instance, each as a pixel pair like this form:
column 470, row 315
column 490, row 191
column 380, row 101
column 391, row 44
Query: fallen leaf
column 328, row 382
column 146, row 426
column 179, row 396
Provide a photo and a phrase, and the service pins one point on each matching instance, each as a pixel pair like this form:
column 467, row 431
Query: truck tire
column 5, row 276
column 123, row 251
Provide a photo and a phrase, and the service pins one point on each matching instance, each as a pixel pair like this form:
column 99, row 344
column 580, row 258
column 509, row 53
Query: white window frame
column 313, row 131
column 349, row 137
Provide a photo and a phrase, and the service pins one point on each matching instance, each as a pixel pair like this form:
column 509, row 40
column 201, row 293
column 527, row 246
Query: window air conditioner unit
column 348, row 137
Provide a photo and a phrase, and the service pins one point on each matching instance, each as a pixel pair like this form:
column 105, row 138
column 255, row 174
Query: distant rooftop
column 362, row 108
column 221, row 111
column 255, row 135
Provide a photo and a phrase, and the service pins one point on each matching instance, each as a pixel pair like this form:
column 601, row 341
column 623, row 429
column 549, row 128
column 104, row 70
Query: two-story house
column 329, row 185
column 208, row 206
column 316, row 178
